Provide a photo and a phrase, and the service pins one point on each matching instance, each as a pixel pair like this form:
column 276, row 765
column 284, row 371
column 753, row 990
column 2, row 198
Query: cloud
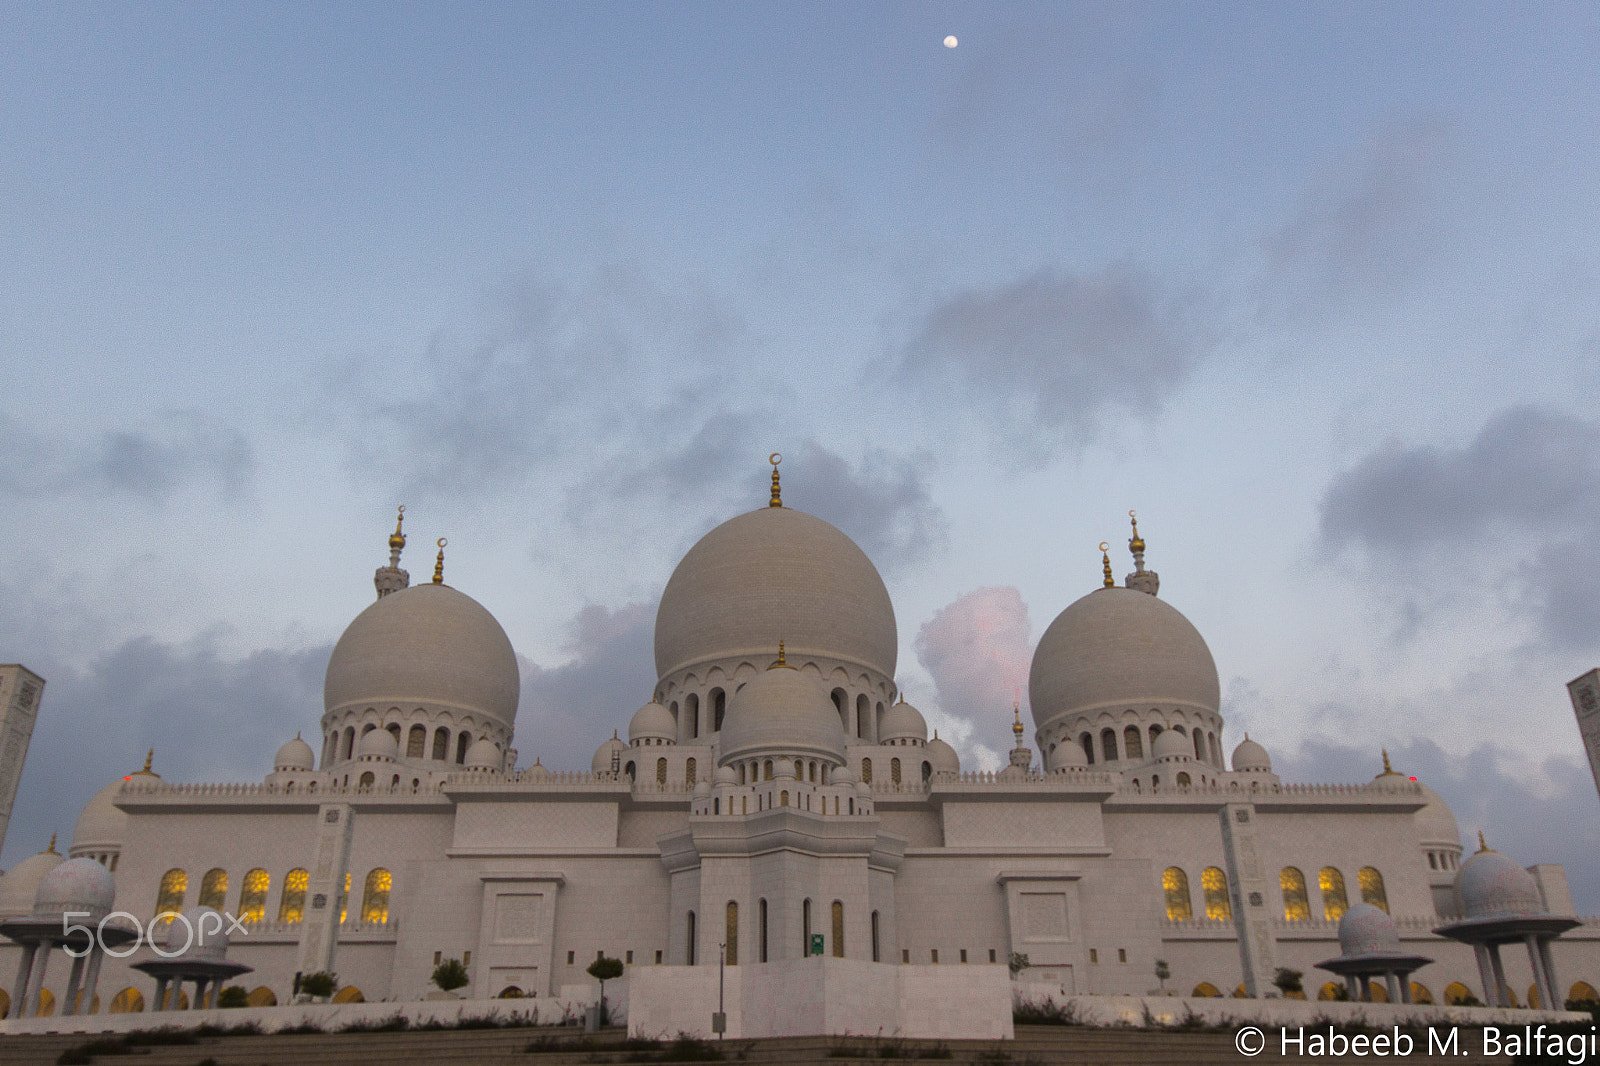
column 1056, row 352
column 152, row 463
column 978, row 649
column 208, row 717
column 1528, row 474
column 1535, row 812
column 565, row 711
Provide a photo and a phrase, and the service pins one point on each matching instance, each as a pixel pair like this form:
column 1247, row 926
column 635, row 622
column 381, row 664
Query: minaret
column 1141, row 580
column 391, row 578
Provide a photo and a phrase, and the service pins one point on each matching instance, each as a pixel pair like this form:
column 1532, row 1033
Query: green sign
column 816, row 944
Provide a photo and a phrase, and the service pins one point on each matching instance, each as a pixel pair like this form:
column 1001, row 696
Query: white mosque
column 777, row 798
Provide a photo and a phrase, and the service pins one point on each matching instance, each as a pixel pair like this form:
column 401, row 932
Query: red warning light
column 1413, row 779
column 130, row 778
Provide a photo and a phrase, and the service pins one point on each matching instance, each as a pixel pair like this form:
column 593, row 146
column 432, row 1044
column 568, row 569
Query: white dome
column 75, row 885
column 1250, row 757
column 1116, row 648
column 770, row 575
column 429, row 645
column 483, row 755
column 902, row 722
column 1069, row 754
column 601, row 763
column 296, row 755
column 652, row 722
column 21, row 883
column 1367, row 930
column 378, row 744
column 101, row 823
column 943, row 756
column 783, row 710
column 1435, row 822
column 703, row 787
column 842, row 775
column 1170, row 743
column 725, row 776
column 205, row 931
column 1492, row 885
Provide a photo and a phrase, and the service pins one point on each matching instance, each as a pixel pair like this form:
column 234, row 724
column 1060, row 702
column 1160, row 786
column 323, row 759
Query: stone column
column 1353, row 987
column 1485, row 975
column 91, row 979
column 41, row 962
column 1248, row 883
column 19, row 991
column 1500, row 985
column 161, row 995
column 1547, row 957
column 1541, row 979
column 70, row 1007
column 1405, row 987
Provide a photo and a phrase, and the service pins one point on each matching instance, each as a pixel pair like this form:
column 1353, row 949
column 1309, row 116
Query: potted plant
column 1288, row 982
column 603, row 970
column 449, row 975
column 319, row 985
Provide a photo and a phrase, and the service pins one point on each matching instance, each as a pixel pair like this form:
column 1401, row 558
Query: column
column 1248, row 882
column 161, row 995
column 1485, row 975
column 1541, row 980
column 1352, row 987
column 19, row 991
column 1547, row 957
column 1500, row 985
column 91, row 980
column 41, row 962
column 1405, row 986
column 73, row 978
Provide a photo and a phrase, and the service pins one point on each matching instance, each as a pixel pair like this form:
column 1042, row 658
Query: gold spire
column 149, row 757
column 1105, row 560
column 1136, row 545
column 438, row 564
column 1388, row 771
column 777, row 497
column 51, row 850
column 781, row 664
column 1016, row 720
column 397, row 539
column 1482, row 844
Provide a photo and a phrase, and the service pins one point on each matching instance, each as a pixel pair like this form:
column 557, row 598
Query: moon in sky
column 950, row 41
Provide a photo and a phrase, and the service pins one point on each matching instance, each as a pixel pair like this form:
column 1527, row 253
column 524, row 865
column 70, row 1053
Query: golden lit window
column 732, row 936
column 838, row 929
column 292, row 904
column 1334, row 900
column 1175, row 883
column 1372, row 888
column 253, row 896
column 1296, row 907
column 375, row 897
column 169, row 898
column 1214, row 883
column 214, row 889
column 344, row 898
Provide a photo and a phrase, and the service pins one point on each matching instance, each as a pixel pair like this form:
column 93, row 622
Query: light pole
column 719, row 1022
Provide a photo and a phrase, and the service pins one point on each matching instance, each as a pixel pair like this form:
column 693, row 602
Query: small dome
column 1170, row 743
column 378, row 744
column 1117, row 648
column 842, row 775
column 1069, row 755
column 902, row 722
column 612, row 750
column 538, row 771
column 426, row 644
column 943, row 756
column 101, row 823
column 783, row 771
column 22, row 881
column 294, row 756
column 204, row 930
column 1250, row 757
column 75, row 885
column 1492, row 885
column 703, row 787
column 652, row 722
column 1435, row 823
column 725, row 776
column 782, row 709
column 863, row 789
column 483, row 755
column 1367, row 930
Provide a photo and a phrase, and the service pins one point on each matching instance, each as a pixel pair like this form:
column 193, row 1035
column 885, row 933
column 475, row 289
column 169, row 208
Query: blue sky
column 1312, row 287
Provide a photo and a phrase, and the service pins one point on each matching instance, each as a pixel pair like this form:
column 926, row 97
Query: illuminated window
column 1457, row 993
column 253, row 896
column 344, row 898
column 866, row 770
column 214, row 889
column 1331, row 991
column 1176, row 885
column 1183, row 780
column 1132, row 743
column 129, row 1001
column 375, row 897
column 766, row 770
column 1214, row 884
column 838, row 929
column 733, row 934
column 292, row 904
column 1420, row 993
column 1296, row 907
column 1372, row 888
column 169, row 897
column 1334, row 900
column 1206, row 990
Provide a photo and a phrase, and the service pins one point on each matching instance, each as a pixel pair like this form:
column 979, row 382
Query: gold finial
column 397, row 540
column 1016, row 720
column 149, row 757
column 438, row 564
column 1105, row 560
column 782, row 663
column 1482, row 844
column 52, row 848
column 1136, row 545
column 1387, row 769
column 777, row 498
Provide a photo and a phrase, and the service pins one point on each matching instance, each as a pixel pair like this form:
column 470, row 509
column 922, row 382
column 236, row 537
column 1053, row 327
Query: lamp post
column 719, row 1020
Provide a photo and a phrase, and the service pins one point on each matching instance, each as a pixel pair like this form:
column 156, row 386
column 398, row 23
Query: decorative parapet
column 157, row 789
column 1404, row 789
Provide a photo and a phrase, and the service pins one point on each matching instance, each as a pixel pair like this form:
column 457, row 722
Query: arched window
column 763, row 932
column 719, row 707
column 894, row 771
column 838, row 929
column 799, row 770
column 863, row 714
column 1420, row 993
column 292, row 904
column 766, row 770
column 1334, row 900
column 1183, row 780
column 394, row 731
column 349, row 740
column 214, row 889
column 330, row 748
column 927, row 771
column 169, row 896
column 805, row 927
column 1206, row 990
column 1199, row 746
column 661, row 773
column 1216, row 752
column 366, row 780
column 1583, row 992
column 1214, row 884
column 1456, row 993
column 1296, row 907
column 866, row 770
column 841, row 700
column 875, row 953
column 784, row 798
column 1155, row 731
column 1086, row 742
column 129, row 1001
column 462, row 745
column 344, row 898
column 375, row 897
column 441, row 744
column 632, row 771
column 417, row 742
column 1132, row 743
column 691, row 707
column 1108, row 744
column 1333, row 990
column 253, row 895
column 690, row 775
column 1175, row 883
column 1372, row 888
column 731, row 936
column 691, row 938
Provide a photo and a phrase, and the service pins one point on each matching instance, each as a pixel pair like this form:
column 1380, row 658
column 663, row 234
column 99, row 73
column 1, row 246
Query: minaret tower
column 391, row 578
column 1021, row 755
column 1141, row 580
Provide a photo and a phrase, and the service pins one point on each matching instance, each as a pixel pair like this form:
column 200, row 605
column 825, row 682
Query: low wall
column 1276, row 1013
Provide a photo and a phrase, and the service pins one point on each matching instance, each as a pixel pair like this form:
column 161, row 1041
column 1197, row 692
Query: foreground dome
column 426, row 645
column 782, row 711
column 1118, row 648
column 1492, row 885
column 770, row 575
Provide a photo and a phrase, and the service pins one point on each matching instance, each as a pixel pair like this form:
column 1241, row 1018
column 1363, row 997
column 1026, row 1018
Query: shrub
column 321, row 983
column 233, row 996
column 450, row 975
column 1288, row 981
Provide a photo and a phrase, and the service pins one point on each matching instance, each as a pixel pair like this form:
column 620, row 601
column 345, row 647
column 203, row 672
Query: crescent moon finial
column 438, row 564
column 777, row 497
column 775, row 458
column 1104, row 546
column 1105, row 565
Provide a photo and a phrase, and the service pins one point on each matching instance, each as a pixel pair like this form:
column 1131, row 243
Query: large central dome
column 770, row 575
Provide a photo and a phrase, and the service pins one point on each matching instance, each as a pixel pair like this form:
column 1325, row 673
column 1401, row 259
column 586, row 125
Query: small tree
column 321, row 983
column 1163, row 971
column 450, row 975
column 1288, row 981
column 233, row 996
column 1017, row 963
column 603, row 970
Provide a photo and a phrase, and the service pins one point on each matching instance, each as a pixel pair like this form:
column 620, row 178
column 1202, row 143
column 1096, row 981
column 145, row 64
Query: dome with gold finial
column 902, row 723
column 782, row 711
column 21, row 883
column 102, row 825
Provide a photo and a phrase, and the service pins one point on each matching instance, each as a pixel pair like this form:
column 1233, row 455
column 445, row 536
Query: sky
column 1311, row 287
